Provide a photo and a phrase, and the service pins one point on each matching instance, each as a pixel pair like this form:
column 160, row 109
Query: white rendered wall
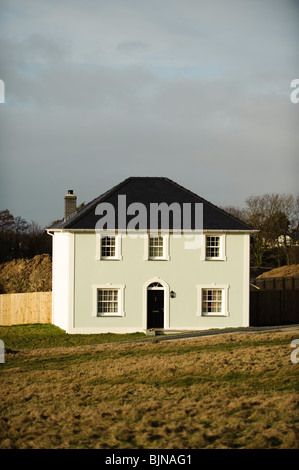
column 62, row 280
column 183, row 273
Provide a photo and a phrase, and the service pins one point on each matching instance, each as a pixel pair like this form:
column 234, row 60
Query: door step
column 153, row 332
column 161, row 331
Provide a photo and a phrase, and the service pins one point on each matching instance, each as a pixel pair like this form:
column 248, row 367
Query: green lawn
column 50, row 336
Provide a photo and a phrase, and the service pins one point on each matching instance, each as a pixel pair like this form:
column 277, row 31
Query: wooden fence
column 274, row 307
column 20, row 309
column 275, row 283
column 274, row 301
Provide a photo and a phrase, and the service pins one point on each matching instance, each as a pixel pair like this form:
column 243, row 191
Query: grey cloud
column 98, row 91
column 132, row 47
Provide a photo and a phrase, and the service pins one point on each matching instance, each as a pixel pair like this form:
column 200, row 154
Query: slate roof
column 148, row 190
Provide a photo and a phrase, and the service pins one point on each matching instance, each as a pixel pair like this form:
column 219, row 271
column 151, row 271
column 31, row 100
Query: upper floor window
column 109, row 247
column 157, row 247
column 214, row 247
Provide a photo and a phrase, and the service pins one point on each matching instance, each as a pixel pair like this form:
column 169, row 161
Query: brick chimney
column 70, row 203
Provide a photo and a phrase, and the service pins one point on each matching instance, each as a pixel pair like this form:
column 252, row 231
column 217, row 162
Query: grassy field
column 50, row 336
column 226, row 391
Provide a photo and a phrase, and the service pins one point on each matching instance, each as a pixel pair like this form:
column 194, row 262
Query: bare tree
column 7, row 224
column 7, row 221
column 235, row 211
column 274, row 216
column 19, row 239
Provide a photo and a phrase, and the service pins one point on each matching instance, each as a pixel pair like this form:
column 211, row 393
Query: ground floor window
column 213, row 300
column 108, row 301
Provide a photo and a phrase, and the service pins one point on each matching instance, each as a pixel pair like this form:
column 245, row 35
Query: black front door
column 155, row 309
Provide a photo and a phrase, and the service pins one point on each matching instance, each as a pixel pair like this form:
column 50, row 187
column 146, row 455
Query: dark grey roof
column 147, row 190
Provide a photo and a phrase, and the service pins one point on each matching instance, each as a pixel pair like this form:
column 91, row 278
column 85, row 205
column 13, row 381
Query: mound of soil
column 26, row 275
column 283, row 271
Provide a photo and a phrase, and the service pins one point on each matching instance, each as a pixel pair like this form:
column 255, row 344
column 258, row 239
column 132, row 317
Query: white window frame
column 165, row 256
column 118, row 247
column 121, row 300
column 222, row 247
column 224, row 311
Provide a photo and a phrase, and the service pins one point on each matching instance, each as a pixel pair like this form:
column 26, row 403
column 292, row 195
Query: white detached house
column 189, row 274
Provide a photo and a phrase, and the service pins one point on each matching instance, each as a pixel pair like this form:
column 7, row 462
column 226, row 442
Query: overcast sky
column 100, row 90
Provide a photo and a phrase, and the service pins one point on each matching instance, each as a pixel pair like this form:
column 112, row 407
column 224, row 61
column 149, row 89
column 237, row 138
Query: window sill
column 157, row 259
column 214, row 314
column 101, row 315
